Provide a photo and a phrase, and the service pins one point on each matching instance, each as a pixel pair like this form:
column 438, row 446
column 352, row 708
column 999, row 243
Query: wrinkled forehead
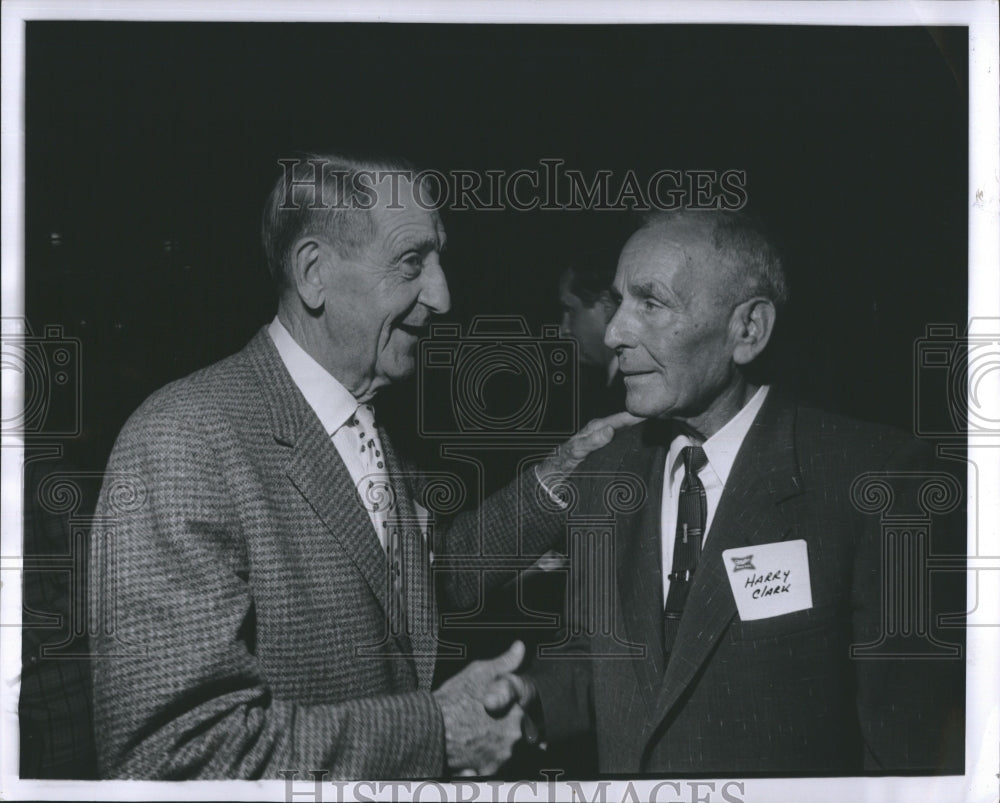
column 680, row 253
column 403, row 206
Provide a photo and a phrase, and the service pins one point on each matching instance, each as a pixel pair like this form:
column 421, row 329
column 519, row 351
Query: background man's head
column 585, row 299
column 354, row 248
column 698, row 296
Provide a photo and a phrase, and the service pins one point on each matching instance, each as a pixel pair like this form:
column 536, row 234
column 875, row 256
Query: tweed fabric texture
column 56, row 740
column 244, row 592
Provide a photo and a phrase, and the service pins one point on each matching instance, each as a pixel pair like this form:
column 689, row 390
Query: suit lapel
column 323, row 480
column 421, row 607
column 316, row 470
column 763, row 476
column 638, row 558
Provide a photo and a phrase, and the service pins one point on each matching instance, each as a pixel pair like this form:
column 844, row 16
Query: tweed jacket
column 776, row 695
column 243, row 594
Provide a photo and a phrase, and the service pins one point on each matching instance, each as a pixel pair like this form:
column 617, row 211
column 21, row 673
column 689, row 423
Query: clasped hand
column 482, row 713
column 483, row 705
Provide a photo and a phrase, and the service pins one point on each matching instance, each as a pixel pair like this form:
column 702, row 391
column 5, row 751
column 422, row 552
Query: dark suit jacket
column 772, row 696
column 243, row 594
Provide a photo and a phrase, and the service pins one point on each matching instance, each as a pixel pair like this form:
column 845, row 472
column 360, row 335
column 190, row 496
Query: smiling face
column 673, row 329
column 378, row 301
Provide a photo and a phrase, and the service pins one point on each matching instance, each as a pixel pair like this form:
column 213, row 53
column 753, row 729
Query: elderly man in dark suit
column 264, row 572
column 744, row 615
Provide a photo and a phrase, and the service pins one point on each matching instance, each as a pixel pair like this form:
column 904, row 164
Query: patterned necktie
column 691, row 513
column 379, row 498
column 374, row 487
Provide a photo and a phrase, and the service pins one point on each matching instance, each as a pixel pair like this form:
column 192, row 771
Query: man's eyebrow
column 650, row 287
column 423, row 244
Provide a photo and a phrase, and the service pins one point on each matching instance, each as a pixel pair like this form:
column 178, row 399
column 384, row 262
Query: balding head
column 733, row 248
column 325, row 193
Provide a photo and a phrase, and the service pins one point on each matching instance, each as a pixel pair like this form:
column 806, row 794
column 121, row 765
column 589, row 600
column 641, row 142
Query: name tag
column 769, row 579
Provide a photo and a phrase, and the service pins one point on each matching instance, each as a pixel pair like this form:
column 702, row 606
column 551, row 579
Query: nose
column 434, row 290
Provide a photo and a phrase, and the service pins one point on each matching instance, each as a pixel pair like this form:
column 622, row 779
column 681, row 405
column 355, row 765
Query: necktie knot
column 364, row 417
column 695, row 460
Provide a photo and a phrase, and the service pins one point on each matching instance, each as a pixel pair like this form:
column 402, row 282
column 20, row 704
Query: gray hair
column 743, row 241
column 321, row 193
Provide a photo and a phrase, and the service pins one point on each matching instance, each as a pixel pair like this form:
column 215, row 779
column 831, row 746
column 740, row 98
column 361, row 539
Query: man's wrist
column 442, row 722
column 545, row 481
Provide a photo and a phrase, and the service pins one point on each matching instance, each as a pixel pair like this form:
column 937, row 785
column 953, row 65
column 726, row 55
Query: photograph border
column 980, row 783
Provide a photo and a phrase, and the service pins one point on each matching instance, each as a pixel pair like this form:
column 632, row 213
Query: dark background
column 150, row 146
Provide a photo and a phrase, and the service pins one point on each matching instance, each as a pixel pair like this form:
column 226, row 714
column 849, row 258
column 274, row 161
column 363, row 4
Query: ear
column 751, row 326
column 307, row 259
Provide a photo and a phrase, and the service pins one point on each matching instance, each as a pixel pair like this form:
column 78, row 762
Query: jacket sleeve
column 564, row 695
column 909, row 672
column 527, row 518
column 178, row 691
column 519, row 520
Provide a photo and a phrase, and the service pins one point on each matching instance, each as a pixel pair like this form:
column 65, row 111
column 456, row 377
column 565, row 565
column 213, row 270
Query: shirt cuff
column 560, row 502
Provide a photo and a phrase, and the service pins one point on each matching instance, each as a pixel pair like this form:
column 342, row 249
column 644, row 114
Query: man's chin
column 639, row 404
column 399, row 367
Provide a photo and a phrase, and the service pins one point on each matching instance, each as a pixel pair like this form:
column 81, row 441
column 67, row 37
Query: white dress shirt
column 721, row 451
column 332, row 402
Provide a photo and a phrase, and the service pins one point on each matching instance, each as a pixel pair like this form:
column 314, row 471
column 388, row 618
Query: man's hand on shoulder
column 595, row 435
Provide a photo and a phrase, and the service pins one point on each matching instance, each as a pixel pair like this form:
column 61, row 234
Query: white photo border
column 983, row 657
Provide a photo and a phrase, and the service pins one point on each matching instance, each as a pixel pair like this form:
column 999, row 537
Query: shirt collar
column 722, row 447
column 331, row 401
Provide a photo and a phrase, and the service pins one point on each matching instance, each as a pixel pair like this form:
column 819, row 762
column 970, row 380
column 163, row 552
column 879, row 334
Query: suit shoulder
column 819, row 430
column 199, row 401
column 626, row 442
column 628, row 452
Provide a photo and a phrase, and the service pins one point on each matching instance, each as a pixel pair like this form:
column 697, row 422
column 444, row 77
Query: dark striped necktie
column 692, row 510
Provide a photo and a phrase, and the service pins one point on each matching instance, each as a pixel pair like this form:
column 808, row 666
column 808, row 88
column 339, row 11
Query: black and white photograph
column 541, row 402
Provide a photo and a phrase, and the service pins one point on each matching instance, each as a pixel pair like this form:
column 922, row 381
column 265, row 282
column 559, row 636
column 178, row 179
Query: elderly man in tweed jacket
column 265, row 592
